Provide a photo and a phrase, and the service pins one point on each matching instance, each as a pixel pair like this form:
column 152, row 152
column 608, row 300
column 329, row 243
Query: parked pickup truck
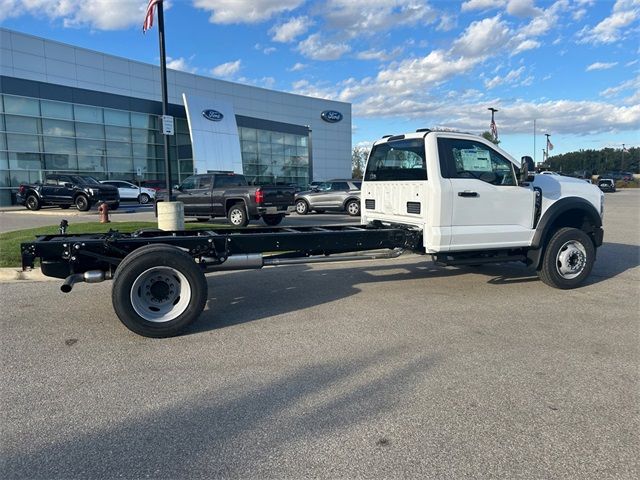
column 65, row 190
column 227, row 194
column 455, row 197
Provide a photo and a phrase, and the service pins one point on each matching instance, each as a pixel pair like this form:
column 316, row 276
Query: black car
column 607, row 185
column 65, row 190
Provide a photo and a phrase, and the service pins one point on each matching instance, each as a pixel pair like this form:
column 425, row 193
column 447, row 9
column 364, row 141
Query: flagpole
column 165, row 101
column 548, row 135
column 534, row 141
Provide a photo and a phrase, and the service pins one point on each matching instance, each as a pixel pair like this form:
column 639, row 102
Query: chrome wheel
column 160, row 294
column 236, row 216
column 301, row 207
column 353, row 208
column 571, row 259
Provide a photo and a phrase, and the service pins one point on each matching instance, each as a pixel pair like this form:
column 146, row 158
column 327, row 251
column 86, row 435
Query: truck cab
column 471, row 201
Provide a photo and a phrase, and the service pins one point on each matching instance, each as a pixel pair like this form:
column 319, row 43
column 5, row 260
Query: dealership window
column 89, row 130
column 56, row 110
column 85, row 113
column 23, row 143
column 59, row 128
column 19, row 124
column 21, row 105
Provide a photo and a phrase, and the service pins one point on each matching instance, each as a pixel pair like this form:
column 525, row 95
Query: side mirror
column 526, row 167
column 177, row 187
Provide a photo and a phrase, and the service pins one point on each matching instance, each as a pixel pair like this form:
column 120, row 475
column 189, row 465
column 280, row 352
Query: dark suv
column 65, row 190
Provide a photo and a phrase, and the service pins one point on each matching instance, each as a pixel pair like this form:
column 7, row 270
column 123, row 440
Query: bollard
column 170, row 216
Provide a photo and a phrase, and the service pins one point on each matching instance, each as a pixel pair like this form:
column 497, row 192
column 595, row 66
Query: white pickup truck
column 454, row 196
column 474, row 204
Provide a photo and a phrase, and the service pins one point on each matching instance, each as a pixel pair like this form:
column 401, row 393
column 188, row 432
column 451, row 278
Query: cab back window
column 397, row 160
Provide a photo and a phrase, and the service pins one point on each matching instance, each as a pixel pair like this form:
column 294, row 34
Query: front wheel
column 353, row 208
column 143, row 198
column 302, row 207
column 82, row 203
column 273, row 220
column 237, row 215
column 158, row 290
column 568, row 259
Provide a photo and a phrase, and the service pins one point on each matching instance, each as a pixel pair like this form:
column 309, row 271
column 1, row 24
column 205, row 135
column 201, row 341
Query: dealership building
column 69, row 109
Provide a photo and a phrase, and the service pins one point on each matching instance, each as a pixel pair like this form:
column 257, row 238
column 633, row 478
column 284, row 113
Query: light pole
column 492, row 126
column 548, row 142
column 622, row 159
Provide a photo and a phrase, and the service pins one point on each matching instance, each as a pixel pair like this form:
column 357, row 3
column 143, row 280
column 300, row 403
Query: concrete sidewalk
column 15, row 274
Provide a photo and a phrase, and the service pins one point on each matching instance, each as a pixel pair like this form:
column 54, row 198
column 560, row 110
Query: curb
column 15, row 274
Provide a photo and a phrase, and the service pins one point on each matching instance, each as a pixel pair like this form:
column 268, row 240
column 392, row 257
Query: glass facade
column 39, row 136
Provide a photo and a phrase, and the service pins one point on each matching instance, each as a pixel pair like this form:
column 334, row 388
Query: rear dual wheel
column 158, row 291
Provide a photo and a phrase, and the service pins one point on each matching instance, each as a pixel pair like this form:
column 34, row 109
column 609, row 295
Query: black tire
column 32, row 203
column 568, row 259
column 237, row 215
column 302, row 207
column 143, row 199
column 273, row 220
column 203, row 219
column 82, row 203
column 64, row 207
column 353, row 208
column 164, row 267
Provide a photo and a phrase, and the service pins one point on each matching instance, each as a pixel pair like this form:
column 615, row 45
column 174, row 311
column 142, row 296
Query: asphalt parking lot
column 382, row 369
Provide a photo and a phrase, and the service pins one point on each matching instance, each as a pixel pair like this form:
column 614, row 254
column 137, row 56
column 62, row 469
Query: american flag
column 494, row 129
column 549, row 144
column 148, row 18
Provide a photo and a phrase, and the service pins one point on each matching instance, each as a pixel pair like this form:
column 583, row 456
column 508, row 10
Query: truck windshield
column 397, row 160
column 85, row 180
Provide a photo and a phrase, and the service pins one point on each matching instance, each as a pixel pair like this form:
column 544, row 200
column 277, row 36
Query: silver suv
column 340, row 195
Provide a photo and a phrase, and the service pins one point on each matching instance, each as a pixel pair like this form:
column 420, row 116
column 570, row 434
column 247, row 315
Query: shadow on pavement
column 233, row 433
column 245, row 296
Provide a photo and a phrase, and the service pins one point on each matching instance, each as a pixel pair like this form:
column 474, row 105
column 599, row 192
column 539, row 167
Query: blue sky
column 573, row 65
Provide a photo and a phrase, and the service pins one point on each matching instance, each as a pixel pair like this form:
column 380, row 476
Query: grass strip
column 10, row 241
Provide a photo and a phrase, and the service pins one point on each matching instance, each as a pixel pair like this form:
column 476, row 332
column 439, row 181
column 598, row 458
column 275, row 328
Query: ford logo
column 213, row 115
column 331, row 116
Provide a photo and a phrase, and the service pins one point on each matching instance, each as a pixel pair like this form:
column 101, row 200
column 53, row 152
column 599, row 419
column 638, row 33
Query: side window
column 357, row 185
column 469, row 159
column 205, row 182
column 63, row 180
column 339, row 186
column 51, row 181
column 397, row 160
column 189, row 183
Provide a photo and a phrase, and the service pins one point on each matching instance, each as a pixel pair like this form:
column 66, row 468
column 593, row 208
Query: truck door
column 489, row 209
column 186, row 195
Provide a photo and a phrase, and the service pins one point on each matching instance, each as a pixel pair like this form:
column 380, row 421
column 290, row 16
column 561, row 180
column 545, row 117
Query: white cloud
column 379, row 55
column 632, row 85
column 181, row 64
column 510, row 77
column 290, row 30
column 482, row 37
column 297, row 67
column 523, row 8
column 245, row 11
column 226, row 70
column 613, row 28
column 471, row 5
column 447, row 23
column 600, row 66
column 315, row 48
column 95, row 14
column 524, row 46
column 368, row 17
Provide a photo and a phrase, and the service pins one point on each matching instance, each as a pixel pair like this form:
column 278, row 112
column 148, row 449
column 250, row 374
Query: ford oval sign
column 213, row 115
column 331, row 116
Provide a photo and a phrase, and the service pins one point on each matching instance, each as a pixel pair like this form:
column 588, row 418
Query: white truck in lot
column 474, row 204
column 454, row 196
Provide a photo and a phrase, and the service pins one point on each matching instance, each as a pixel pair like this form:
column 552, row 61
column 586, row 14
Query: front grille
column 370, row 204
column 413, row 207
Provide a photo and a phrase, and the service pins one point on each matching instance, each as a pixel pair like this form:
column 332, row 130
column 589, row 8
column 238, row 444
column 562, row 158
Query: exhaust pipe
column 91, row 276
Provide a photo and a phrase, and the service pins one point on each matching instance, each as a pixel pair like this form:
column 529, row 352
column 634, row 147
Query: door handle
column 467, row 193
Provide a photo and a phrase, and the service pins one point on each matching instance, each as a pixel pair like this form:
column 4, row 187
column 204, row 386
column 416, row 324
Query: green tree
column 488, row 136
column 358, row 160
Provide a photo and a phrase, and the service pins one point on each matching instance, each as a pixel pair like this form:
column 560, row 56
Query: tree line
column 591, row 161
column 596, row 161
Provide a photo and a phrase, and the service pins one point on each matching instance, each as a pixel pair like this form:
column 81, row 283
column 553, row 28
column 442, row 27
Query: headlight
column 94, row 191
